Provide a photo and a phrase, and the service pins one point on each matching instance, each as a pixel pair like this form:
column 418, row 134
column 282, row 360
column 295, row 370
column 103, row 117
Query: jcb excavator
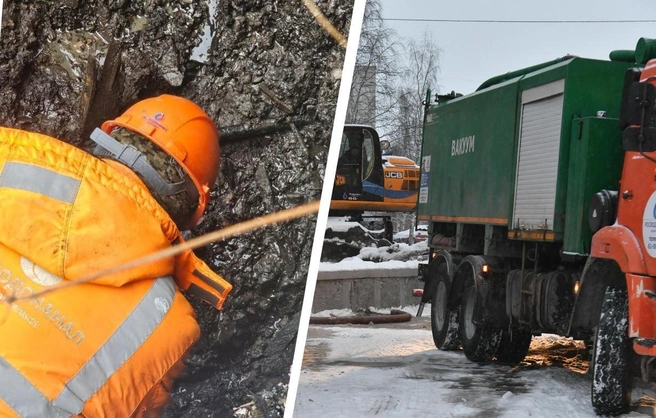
column 367, row 181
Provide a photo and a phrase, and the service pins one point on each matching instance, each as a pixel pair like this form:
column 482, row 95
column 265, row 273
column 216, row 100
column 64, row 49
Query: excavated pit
column 269, row 76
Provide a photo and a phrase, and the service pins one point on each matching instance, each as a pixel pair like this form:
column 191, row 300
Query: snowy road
column 396, row 371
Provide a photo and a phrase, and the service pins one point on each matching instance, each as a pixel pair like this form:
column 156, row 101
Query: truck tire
column 611, row 380
column 514, row 345
column 480, row 341
column 444, row 321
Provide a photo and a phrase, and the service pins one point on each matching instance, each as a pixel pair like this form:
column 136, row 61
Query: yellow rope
column 200, row 241
column 325, row 23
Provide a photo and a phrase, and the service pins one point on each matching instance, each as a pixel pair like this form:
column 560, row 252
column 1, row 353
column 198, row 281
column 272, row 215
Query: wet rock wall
column 269, row 71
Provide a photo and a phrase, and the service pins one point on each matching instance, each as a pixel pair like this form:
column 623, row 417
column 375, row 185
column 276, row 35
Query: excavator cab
column 359, row 175
column 366, row 180
column 370, row 185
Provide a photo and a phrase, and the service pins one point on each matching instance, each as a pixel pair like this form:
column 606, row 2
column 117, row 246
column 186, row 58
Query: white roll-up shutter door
column 539, row 147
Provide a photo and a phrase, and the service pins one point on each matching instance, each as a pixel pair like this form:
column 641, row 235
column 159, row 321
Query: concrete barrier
column 361, row 289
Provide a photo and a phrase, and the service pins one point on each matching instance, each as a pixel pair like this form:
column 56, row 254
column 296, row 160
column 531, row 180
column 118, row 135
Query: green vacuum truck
column 540, row 194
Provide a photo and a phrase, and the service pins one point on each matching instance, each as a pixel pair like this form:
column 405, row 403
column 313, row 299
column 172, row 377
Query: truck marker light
column 577, row 287
column 485, row 269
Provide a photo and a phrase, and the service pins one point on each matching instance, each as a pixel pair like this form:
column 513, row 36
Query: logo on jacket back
column 38, row 274
column 162, row 305
column 40, row 310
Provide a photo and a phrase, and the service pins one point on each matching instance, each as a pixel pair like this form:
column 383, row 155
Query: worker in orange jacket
column 112, row 347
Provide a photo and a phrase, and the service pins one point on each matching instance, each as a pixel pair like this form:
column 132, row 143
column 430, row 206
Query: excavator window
column 368, row 157
column 349, row 151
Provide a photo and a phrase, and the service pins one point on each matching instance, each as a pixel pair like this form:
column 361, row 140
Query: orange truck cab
column 623, row 256
column 631, row 241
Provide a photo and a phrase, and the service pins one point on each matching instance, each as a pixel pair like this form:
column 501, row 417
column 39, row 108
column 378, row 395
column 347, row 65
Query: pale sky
column 474, row 52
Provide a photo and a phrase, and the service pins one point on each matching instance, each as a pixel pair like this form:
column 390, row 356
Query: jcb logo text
column 394, row 175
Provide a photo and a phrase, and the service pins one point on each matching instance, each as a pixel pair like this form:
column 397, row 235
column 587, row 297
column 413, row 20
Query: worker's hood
column 74, row 214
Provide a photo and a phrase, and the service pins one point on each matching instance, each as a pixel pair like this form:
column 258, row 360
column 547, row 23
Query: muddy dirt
column 269, row 68
column 569, row 354
column 338, row 245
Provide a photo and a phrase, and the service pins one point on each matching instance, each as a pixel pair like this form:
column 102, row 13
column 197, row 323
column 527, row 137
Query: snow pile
column 398, row 251
column 358, row 264
column 344, row 238
column 335, row 313
column 420, row 234
column 394, row 257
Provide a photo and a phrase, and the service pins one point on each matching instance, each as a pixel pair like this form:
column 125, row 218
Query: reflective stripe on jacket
column 94, row 349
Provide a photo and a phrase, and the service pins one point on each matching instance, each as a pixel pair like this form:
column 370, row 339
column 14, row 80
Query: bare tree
column 420, row 74
column 373, row 92
column 389, row 86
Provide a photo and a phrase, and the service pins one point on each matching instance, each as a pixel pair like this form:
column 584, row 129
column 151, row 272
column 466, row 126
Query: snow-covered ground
column 348, row 312
column 395, row 370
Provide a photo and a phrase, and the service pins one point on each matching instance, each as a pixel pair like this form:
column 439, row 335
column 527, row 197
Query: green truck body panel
column 595, row 163
column 471, row 145
column 478, row 182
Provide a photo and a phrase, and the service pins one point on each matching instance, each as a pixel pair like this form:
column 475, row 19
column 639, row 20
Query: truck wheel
column 480, row 341
column 611, row 380
column 514, row 345
column 444, row 321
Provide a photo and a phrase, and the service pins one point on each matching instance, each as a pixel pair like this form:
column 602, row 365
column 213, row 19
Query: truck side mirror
column 638, row 109
column 631, row 76
column 640, row 103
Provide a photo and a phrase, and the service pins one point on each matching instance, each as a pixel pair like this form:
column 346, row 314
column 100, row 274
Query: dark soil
column 338, row 245
column 269, row 65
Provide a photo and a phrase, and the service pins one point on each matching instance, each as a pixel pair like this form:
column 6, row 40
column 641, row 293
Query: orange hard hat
column 185, row 132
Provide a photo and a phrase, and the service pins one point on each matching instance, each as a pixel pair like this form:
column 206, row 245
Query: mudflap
column 428, row 286
column 429, row 283
column 492, row 291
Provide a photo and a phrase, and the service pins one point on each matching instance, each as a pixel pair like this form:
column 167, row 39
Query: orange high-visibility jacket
column 96, row 349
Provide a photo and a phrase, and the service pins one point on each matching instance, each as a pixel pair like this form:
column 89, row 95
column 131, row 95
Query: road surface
column 396, row 371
